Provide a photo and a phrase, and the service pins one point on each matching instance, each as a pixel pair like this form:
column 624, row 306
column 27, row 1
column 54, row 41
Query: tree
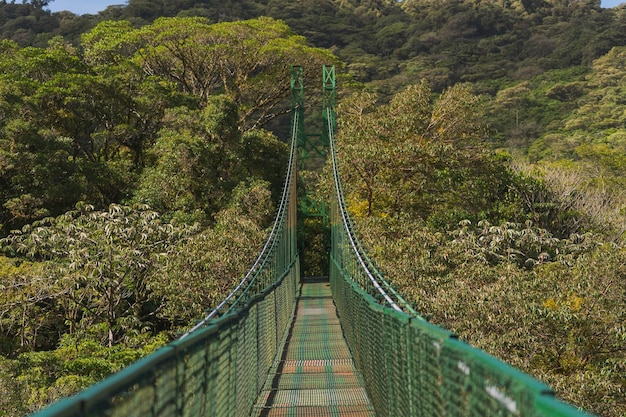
column 193, row 163
column 513, row 98
column 216, row 259
column 101, row 263
column 25, row 322
column 201, row 156
column 418, row 156
column 241, row 59
column 35, row 379
column 69, row 134
column 602, row 108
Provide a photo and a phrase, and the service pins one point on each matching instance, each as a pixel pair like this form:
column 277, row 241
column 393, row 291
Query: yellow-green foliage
column 422, row 153
column 35, row 379
column 542, row 293
column 554, row 308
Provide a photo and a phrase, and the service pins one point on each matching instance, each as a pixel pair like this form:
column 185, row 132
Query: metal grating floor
column 315, row 374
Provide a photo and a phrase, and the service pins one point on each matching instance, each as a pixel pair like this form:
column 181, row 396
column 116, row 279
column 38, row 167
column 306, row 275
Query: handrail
column 412, row 367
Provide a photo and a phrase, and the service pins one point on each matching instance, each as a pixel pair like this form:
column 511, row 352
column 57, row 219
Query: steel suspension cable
column 395, row 300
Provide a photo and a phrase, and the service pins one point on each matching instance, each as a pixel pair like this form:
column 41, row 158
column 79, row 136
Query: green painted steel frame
column 311, row 146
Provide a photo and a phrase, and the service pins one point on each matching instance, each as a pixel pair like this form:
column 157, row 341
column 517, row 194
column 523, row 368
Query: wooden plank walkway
column 315, row 374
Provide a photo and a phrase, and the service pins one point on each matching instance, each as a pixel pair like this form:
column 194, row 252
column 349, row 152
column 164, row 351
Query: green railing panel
column 411, row 367
column 426, row 342
column 456, row 387
column 478, row 384
column 414, row 368
column 218, row 370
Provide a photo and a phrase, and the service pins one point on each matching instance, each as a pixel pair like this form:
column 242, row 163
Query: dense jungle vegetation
column 481, row 145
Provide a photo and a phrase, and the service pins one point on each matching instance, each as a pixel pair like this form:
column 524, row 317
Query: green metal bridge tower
column 313, row 214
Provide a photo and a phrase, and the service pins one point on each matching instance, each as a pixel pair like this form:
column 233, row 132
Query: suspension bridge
column 343, row 345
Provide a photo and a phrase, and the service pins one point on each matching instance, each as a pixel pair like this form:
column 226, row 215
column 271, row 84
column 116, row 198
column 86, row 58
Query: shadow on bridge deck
column 315, row 374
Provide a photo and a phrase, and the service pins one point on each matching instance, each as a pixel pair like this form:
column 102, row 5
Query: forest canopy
column 481, row 144
column 129, row 169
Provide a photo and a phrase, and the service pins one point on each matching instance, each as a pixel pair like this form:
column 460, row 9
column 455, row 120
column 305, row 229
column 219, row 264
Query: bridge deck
column 315, row 375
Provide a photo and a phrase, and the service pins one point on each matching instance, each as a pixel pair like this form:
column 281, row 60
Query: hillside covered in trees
column 481, row 144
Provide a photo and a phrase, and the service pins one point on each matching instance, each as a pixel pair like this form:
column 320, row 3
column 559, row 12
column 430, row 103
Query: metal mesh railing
column 411, row 367
column 218, row 368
